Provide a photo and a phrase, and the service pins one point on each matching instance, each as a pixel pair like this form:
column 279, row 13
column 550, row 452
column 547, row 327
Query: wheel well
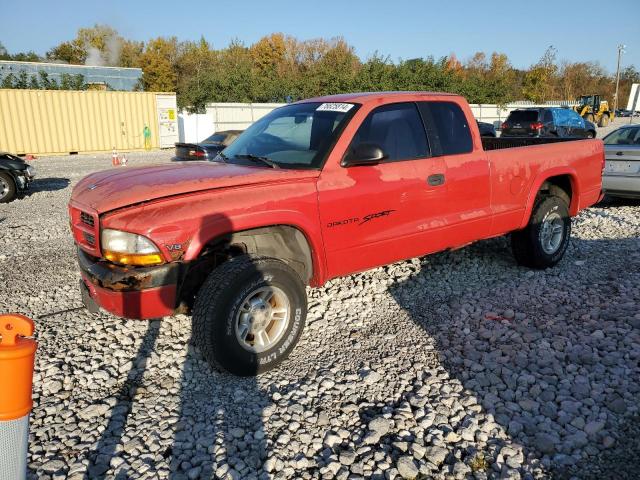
column 559, row 185
column 283, row 242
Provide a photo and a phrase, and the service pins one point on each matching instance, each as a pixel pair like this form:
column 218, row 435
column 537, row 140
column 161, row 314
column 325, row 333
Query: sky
column 582, row 30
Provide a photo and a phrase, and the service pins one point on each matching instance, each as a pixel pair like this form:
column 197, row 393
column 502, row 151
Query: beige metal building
column 50, row 122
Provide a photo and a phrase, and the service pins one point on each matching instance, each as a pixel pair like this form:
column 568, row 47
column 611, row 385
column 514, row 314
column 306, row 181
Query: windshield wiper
column 259, row 159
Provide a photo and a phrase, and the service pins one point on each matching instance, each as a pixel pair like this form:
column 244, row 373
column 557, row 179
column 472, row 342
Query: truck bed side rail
column 489, row 143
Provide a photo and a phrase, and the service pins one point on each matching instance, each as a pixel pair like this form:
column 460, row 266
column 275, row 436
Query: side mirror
column 364, row 154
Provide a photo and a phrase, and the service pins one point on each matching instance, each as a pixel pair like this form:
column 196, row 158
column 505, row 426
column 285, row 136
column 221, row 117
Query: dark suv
column 547, row 122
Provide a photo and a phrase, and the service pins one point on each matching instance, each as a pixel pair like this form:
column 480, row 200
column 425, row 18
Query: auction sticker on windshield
column 335, row 107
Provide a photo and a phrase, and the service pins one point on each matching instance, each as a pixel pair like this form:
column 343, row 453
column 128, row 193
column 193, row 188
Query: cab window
column 447, row 128
column 397, row 129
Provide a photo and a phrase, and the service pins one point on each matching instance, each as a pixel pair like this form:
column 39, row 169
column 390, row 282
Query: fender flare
column 218, row 230
column 543, row 177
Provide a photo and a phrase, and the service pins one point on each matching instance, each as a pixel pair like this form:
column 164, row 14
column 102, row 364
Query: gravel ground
column 457, row 365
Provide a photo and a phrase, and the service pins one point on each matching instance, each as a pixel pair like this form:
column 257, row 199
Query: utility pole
column 621, row 48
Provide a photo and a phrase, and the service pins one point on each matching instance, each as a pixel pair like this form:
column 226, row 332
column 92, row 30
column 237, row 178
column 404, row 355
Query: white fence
column 238, row 116
column 221, row 116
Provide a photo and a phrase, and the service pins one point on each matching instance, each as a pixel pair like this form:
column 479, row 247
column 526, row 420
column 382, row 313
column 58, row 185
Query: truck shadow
column 214, row 427
column 560, row 398
column 219, row 429
column 107, row 446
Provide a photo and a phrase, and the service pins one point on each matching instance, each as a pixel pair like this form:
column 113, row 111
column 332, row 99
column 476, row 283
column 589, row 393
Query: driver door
column 375, row 214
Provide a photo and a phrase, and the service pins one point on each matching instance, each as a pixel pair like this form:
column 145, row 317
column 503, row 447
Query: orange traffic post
column 17, row 356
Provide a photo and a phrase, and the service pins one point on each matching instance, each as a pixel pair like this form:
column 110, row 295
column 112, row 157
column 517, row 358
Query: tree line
column 280, row 68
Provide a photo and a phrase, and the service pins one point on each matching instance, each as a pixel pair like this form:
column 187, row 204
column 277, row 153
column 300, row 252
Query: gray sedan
column 621, row 176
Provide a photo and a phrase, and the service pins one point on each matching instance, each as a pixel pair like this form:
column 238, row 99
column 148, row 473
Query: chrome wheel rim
column 551, row 233
column 4, row 188
column 262, row 319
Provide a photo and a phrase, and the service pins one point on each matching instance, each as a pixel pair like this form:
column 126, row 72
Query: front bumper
column 130, row 292
column 621, row 185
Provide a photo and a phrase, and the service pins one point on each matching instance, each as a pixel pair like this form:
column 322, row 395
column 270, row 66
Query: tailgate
column 623, row 160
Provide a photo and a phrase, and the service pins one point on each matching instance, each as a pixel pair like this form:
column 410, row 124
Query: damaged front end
column 130, row 292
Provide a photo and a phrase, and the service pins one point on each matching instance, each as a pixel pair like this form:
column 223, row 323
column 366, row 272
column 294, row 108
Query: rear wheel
column 589, row 117
column 545, row 239
column 249, row 314
column 7, row 188
column 604, row 121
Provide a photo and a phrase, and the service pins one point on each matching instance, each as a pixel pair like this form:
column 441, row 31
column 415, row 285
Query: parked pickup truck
column 316, row 190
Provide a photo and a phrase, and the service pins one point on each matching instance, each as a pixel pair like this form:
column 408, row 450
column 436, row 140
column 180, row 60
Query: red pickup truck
column 312, row 191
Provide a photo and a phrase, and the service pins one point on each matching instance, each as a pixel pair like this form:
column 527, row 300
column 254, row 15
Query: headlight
column 31, row 172
column 129, row 248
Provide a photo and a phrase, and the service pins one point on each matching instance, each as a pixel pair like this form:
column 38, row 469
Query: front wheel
column 249, row 314
column 545, row 239
column 604, row 121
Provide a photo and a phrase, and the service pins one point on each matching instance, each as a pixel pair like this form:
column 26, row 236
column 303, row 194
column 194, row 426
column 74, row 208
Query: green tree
column 68, row 52
column 72, row 82
column 33, row 82
column 22, row 80
column 628, row 76
column 334, row 70
column 159, row 60
column 194, row 68
column 97, row 45
column 47, row 83
column 131, row 54
column 9, row 81
column 538, row 84
column 378, row 73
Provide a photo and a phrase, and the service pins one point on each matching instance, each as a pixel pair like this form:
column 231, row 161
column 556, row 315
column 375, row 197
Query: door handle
column 619, row 154
column 436, row 179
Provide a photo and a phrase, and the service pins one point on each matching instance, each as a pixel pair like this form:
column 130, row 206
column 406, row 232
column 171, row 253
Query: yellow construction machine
column 594, row 109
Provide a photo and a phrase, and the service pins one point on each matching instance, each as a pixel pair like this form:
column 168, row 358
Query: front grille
column 91, row 239
column 86, row 219
column 85, row 227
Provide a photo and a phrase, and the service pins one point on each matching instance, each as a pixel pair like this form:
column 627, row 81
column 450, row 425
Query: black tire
column 604, row 120
column 527, row 244
column 589, row 117
column 218, row 305
column 7, row 188
column 591, row 134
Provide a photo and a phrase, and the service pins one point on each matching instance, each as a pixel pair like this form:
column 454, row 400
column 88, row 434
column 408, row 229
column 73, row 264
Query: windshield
column 294, row 136
column 215, row 138
column 586, row 100
column 623, row 136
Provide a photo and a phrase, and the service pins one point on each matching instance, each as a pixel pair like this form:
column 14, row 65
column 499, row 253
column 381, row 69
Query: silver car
column 621, row 176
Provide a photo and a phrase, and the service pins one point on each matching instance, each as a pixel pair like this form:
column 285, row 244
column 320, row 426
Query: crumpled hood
column 116, row 188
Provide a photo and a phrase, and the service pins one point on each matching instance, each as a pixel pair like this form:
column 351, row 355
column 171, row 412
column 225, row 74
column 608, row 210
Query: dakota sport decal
column 365, row 219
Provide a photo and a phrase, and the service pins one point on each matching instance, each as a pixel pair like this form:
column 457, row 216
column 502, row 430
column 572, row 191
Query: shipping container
column 50, row 122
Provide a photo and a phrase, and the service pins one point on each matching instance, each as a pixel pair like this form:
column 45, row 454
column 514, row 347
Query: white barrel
column 14, row 444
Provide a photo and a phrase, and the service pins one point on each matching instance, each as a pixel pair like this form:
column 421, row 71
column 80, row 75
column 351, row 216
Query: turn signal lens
column 140, row 260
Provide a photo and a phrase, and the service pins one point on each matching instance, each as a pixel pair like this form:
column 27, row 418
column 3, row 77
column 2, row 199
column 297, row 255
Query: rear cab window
column 447, row 128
